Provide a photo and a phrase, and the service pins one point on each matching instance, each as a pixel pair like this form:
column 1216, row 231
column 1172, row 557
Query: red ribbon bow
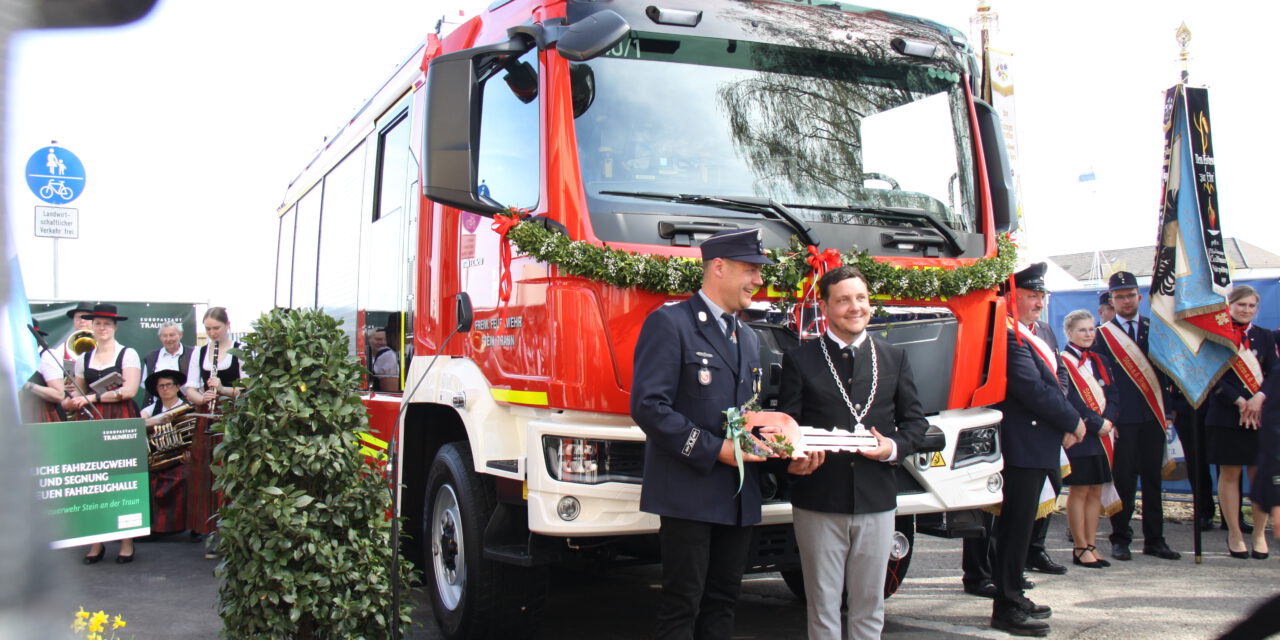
column 503, row 224
column 823, row 261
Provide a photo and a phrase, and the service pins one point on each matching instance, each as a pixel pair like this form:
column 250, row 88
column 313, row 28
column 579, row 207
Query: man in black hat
column 1038, row 421
column 1145, row 408
column 694, row 360
column 1105, row 311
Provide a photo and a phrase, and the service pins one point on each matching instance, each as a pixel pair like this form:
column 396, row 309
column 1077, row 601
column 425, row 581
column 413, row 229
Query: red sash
column 1091, row 392
column 1135, row 365
column 1037, row 343
column 1246, row 364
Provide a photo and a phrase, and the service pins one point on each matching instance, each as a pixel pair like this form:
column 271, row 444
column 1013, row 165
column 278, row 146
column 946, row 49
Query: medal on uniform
column 702, row 316
column 704, row 376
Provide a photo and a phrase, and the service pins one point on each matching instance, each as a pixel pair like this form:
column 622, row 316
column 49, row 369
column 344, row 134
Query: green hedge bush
column 304, row 535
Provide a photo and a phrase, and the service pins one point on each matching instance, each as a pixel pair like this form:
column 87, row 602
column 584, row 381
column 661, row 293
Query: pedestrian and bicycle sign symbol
column 55, row 175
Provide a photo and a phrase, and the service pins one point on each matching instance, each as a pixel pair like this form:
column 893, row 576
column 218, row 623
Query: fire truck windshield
column 840, row 136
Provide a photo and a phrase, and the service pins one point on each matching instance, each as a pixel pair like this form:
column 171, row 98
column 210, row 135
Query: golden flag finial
column 1183, row 36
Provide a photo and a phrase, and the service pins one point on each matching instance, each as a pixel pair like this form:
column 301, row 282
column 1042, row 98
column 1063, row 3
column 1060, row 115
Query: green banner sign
column 92, row 479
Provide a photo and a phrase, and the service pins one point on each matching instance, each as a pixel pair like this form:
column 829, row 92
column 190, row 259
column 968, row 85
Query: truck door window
column 393, row 167
column 509, row 141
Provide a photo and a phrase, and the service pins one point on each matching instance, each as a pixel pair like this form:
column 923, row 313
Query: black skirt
column 1231, row 446
column 1087, row 470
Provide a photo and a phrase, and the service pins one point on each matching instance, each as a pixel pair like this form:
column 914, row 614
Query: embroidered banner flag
column 1191, row 339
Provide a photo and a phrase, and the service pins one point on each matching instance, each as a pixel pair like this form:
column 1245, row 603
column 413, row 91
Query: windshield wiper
column 745, row 204
column 894, row 214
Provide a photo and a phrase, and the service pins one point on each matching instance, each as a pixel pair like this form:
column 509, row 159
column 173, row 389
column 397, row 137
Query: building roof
column 1140, row 260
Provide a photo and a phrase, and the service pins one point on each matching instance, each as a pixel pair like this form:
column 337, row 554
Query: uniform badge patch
column 704, row 376
column 693, row 438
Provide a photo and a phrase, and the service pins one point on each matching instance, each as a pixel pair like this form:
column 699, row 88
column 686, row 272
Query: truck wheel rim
column 447, row 552
column 901, row 546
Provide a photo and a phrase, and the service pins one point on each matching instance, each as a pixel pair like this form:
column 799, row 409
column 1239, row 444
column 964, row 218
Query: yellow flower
column 97, row 622
column 118, row 623
column 82, row 614
column 303, row 387
column 79, row 625
column 94, row 636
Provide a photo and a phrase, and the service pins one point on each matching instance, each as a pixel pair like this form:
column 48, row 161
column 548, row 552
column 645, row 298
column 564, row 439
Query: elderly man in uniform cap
column 1038, row 421
column 694, row 360
column 1140, row 430
column 1105, row 311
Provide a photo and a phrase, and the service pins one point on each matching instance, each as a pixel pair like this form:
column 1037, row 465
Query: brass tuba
column 81, row 342
column 169, row 440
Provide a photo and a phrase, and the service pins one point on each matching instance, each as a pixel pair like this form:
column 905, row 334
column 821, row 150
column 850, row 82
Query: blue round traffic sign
column 55, row 175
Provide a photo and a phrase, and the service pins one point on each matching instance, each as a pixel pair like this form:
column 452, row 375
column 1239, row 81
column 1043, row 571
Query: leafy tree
column 304, row 533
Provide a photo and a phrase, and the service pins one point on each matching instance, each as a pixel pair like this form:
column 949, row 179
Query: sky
column 192, row 122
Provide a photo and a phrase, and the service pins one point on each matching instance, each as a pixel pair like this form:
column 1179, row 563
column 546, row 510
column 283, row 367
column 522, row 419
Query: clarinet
column 213, row 371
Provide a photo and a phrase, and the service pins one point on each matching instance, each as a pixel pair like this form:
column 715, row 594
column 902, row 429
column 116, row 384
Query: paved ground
column 169, row 592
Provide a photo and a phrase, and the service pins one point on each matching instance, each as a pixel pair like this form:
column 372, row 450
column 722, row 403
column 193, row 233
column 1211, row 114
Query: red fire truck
column 644, row 128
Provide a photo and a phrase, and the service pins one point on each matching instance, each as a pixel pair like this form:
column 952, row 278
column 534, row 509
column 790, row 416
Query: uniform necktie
column 1133, row 331
column 730, row 327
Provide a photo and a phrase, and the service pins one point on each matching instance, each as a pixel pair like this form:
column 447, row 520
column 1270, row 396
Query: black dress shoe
column 1259, row 555
column 96, row 558
column 1161, row 550
column 1027, row 585
column 1204, row 524
column 1017, row 622
column 123, row 559
column 984, row 589
column 1037, row 611
column 1120, row 551
column 1044, row 564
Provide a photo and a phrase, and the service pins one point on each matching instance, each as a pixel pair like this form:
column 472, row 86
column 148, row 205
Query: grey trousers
column 840, row 552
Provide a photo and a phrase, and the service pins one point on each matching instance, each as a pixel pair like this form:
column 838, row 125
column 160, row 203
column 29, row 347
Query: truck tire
column 904, row 543
column 473, row 598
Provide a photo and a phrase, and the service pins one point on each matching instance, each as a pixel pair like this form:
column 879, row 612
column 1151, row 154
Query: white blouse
column 194, row 367
column 130, row 361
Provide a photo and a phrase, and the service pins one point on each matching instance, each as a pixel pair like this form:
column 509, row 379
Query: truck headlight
column 593, row 461
column 977, row 444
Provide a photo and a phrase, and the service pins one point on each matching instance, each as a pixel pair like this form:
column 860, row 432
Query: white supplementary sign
column 57, row 222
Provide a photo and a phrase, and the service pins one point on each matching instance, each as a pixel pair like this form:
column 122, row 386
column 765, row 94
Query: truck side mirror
column 463, row 303
column 454, row 84
column 1004, row 204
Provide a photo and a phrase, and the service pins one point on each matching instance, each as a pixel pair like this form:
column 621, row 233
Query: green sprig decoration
column 736, row 431
column 662, row 274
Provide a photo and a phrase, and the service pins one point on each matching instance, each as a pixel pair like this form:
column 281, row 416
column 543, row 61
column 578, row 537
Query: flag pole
column 1183, row 36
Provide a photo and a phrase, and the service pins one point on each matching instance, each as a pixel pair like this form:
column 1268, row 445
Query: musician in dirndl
column 1234, row 416
column 168, row 485
column 107, row 357
column 212, row 376
column 1092, row 391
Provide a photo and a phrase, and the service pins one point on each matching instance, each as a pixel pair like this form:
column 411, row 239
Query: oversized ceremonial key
column 816, row 438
